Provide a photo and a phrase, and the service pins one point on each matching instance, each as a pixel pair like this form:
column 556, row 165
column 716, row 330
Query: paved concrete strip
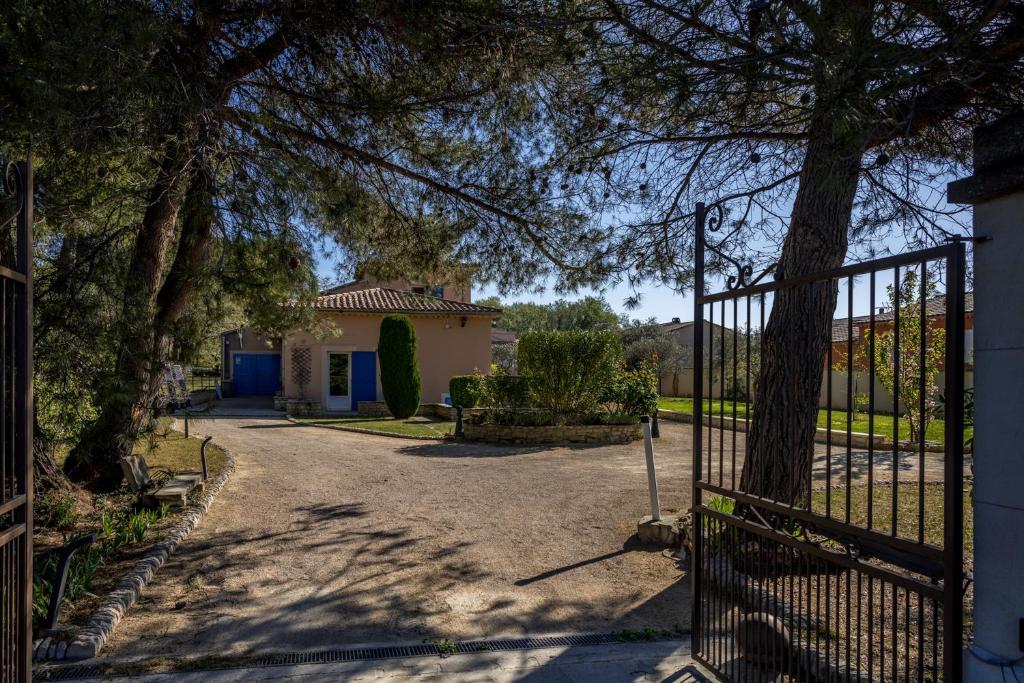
column 655, row 661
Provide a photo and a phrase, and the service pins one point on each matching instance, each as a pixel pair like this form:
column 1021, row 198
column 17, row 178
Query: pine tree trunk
column 798, row 331
column 96, row 458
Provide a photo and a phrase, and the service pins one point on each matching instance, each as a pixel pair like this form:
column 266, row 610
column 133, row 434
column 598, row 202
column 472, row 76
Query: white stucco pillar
column 996, row 190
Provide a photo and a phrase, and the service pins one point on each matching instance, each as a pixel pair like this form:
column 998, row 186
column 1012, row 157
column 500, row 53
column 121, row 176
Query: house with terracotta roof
column 337, row 372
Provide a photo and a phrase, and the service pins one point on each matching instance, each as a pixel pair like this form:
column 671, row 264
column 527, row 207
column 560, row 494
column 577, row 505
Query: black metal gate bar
column 16, row 430
column 859, row 597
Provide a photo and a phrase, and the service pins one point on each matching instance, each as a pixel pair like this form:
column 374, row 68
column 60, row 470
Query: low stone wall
column 441, row 411
column 591, row 434
column 303, row 408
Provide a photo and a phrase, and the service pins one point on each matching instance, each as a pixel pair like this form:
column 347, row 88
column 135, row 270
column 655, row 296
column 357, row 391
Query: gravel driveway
column 324, row 537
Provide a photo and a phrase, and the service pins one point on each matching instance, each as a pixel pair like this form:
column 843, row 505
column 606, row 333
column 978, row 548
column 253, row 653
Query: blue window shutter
column 364, row 377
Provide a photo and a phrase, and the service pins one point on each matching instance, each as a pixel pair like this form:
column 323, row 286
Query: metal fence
column 16, row 423
column 859, row 575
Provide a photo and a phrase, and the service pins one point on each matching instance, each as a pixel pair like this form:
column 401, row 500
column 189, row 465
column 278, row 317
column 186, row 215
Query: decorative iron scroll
column 12, row 183
column 744, row 277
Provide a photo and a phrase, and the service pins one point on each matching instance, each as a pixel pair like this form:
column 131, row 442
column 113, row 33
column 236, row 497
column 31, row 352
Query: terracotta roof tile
column 386, row 300
column 935, row 306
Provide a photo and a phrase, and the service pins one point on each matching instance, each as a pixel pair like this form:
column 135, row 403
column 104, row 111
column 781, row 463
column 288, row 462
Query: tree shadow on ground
column 220, row 595
column 474, row 449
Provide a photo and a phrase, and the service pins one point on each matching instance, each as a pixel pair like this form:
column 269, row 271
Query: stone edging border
column 91, row 639
column 360, row 430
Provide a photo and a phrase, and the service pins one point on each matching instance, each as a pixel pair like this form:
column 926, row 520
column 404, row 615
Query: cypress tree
column 399, row 371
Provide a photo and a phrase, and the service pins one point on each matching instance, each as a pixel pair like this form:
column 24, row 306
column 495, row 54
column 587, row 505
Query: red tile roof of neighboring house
column 933, row 307
column 386, row 300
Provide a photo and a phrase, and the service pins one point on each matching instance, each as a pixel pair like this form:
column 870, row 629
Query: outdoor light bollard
column 202, row 457
column 652, row 478
column 458, row 423
column 655, row 431
column 186, row 425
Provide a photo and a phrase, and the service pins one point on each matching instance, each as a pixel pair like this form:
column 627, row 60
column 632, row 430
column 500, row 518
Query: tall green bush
column 399, row 371
column 568, row 370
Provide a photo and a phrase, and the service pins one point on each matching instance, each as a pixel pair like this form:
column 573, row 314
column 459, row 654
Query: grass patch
column 906, row 510
column 164, row 448
column 387, row 425
column 883, row 423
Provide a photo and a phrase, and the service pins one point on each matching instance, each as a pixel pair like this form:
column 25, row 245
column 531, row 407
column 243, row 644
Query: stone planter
column 303, row 407
column 559, row 434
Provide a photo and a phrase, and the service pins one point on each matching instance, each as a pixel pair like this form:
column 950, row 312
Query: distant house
column 453, row 337
column 935, row 318
column 680, row 382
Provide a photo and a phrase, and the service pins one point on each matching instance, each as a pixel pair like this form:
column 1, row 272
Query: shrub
column 521, row 418
column 466, row 390
column 57, row 511
column 568, row 369
column 507, row 392
column 399, row 371
column 633, row 392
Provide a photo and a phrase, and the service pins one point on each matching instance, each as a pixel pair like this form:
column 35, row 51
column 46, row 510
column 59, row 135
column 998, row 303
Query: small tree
column 905, row 385
column 399, row 370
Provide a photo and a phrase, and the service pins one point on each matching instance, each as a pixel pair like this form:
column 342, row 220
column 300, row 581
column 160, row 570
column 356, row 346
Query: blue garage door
column 256, row 374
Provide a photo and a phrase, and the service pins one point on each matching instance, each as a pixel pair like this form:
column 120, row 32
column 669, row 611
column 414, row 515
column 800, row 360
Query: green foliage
column 907, row 381
column 399, row 369
column 506, row 392
column 56, row 510
column 119, row 529
column 466, row 390
column 588, row 313
column 633, row 392
column 649, row 343
column 569, row 370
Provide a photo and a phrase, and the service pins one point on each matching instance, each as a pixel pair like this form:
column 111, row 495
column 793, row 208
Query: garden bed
column 126, row 533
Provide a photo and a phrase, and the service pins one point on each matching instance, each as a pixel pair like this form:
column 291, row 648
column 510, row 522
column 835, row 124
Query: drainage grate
column 68, row 673
column 72, row 672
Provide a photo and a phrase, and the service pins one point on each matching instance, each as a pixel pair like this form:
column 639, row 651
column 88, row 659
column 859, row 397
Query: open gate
column 16, row 423
column 861, row 577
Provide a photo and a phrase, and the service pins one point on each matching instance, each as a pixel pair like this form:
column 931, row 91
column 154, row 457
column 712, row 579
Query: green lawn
column 907, row 510
column 389, row 425
column 883, row 423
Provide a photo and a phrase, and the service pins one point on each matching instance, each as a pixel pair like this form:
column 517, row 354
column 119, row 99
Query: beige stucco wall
column 442, row 351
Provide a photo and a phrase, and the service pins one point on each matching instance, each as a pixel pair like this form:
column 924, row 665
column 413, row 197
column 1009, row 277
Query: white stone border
column 91, row 639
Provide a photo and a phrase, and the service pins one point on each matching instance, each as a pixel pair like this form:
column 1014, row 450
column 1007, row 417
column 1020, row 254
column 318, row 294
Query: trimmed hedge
column 466, row 390
column 399, row 371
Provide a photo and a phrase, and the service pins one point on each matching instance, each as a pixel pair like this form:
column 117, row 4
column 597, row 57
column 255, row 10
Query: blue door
column 364, row 377
column 256, row 374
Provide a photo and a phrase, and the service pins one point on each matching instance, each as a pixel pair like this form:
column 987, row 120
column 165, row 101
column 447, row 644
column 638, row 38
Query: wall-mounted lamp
column 463, row 321
column 447, row 324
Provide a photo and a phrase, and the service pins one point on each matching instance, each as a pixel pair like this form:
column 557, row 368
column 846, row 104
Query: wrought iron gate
column 861, row 577
column 16, row 424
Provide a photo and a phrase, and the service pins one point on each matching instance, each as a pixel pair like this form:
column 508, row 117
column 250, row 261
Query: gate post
column 997, row 192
